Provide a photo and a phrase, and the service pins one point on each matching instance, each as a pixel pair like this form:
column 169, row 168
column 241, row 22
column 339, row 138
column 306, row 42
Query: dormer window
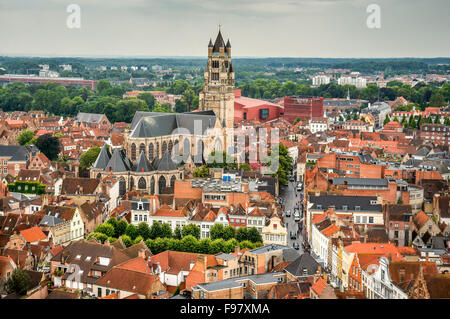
column 78, row 257
column 141, row 206
column 344, row 207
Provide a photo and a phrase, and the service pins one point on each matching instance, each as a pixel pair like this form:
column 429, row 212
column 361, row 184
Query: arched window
column 150, row 152
column 122, row 186
column 161, row 184
column 172, row 181
column 133, row 152
column 142, row 184
column 142, row 148
column 152, row 186
column 163, row 148
column 170, row 147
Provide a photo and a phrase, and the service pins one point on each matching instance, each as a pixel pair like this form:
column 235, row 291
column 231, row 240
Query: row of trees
column 414, row 123
column 422, row 94
column 159, row 237
column 114, row 229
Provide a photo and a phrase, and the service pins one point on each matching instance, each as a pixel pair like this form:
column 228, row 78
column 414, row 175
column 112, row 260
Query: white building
column 377, row 283
column 318, row 125
column 359, row 82
column 320, row 79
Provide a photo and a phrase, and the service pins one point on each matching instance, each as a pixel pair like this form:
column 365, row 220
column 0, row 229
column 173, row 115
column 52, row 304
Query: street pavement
column 291, row 197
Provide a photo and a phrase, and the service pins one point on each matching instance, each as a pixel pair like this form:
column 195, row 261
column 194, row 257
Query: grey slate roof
column 271, row 277
column 151, row 124
column 304, row 262
column 338, row 201
column 18, row 153
column 267, row 248
column 165, row 163
column 103, row 158
column 89, row 117
column 143, row 165
column 50, row 220
column 118, row 162
column 226, row 256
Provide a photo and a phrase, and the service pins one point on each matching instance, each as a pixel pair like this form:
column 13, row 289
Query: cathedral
column 218, row 91
column 146, row 161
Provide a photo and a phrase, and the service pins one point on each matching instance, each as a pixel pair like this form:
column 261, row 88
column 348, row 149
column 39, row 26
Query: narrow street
column 291, row 198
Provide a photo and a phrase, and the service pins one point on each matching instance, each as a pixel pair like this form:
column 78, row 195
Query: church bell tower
column 218, row 90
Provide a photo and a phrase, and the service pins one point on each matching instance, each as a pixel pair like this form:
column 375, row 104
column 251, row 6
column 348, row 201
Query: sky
column 256, row 28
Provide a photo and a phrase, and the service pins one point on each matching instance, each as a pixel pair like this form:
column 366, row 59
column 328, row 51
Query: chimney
column 141, row 253
column 107, row 243
column 237, row 250
column 201, row 259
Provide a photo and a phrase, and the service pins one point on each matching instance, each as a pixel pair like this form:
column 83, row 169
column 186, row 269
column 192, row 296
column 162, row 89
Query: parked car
column 296, row 246
column 293, row 235
column 288, row 213
column 299, row 187
column 297, row 216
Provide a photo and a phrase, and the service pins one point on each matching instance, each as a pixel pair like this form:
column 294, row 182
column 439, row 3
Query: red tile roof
column 33, row 234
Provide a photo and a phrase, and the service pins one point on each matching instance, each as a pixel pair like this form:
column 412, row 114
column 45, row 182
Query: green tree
column 148, row 98
column 447, row 121
column 204, row 246
column 155, row 230
column 103, row 85
column 166, row 230
column 88, row 158
column 189, row 244
column 98, row 236
column 437, row 100
column 297, row 120
column 221, row 160
column 25, row 137
column 280, row 153
column 202, row 171
column 242, row 234
column 228, row 233
column 120, row 228
column 137, row 240
column 143, row 230
column 253, row 235
column 177, row 232
column 191, row 230
column 245, row 167
column 126, row 240
column 106, row 229
column 49, row 145
column 217, row 246
column 387, row 119
column 19, row 282
column 131, row 231
column 216, row 231
column 437, row 119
